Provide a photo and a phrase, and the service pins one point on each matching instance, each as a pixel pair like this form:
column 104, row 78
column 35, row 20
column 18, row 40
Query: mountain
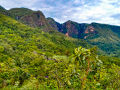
column 24, row 49
column 36, row 19
column 73, row 29
column 17, row 36
column 30, row 17
column 32, row 58
column 107, row 38
column 83, row 30
column 104, row 36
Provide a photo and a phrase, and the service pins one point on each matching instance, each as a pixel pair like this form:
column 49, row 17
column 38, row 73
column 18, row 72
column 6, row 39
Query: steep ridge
column 36, row 19
column 31, row 18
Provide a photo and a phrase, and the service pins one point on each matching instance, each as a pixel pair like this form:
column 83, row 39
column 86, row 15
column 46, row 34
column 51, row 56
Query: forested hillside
column 32, row 58
column 105, row 37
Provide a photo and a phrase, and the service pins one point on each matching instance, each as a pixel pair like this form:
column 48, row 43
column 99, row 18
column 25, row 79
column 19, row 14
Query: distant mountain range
column 106, row 37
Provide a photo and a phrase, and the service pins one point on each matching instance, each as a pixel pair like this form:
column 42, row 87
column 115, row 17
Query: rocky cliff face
column 31, row 18
column 86, row 31
column 74, row 29
column 71, row 28
column 36, row 19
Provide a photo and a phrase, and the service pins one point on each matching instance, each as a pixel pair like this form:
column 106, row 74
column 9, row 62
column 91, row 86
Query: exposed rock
column 36, row 19
column 67, row 34
column 31, row 18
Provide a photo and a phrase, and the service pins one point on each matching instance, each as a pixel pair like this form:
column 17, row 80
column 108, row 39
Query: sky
column 81, row 11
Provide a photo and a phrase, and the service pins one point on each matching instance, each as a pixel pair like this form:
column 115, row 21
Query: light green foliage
column 1, row 48
column 33, row 59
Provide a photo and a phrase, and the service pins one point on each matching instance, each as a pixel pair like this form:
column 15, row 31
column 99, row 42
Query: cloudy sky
column 82, row 11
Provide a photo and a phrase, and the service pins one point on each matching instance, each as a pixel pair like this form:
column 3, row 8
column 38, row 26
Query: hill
column 30, row 17
column 12, row 32
column 106, row 37
column 21, row 46
column 35, row 58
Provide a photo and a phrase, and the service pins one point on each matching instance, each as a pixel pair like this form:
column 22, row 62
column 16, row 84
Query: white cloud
column 77, row 1
column 17, row 3
column 101, row 12
column 82, row 11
